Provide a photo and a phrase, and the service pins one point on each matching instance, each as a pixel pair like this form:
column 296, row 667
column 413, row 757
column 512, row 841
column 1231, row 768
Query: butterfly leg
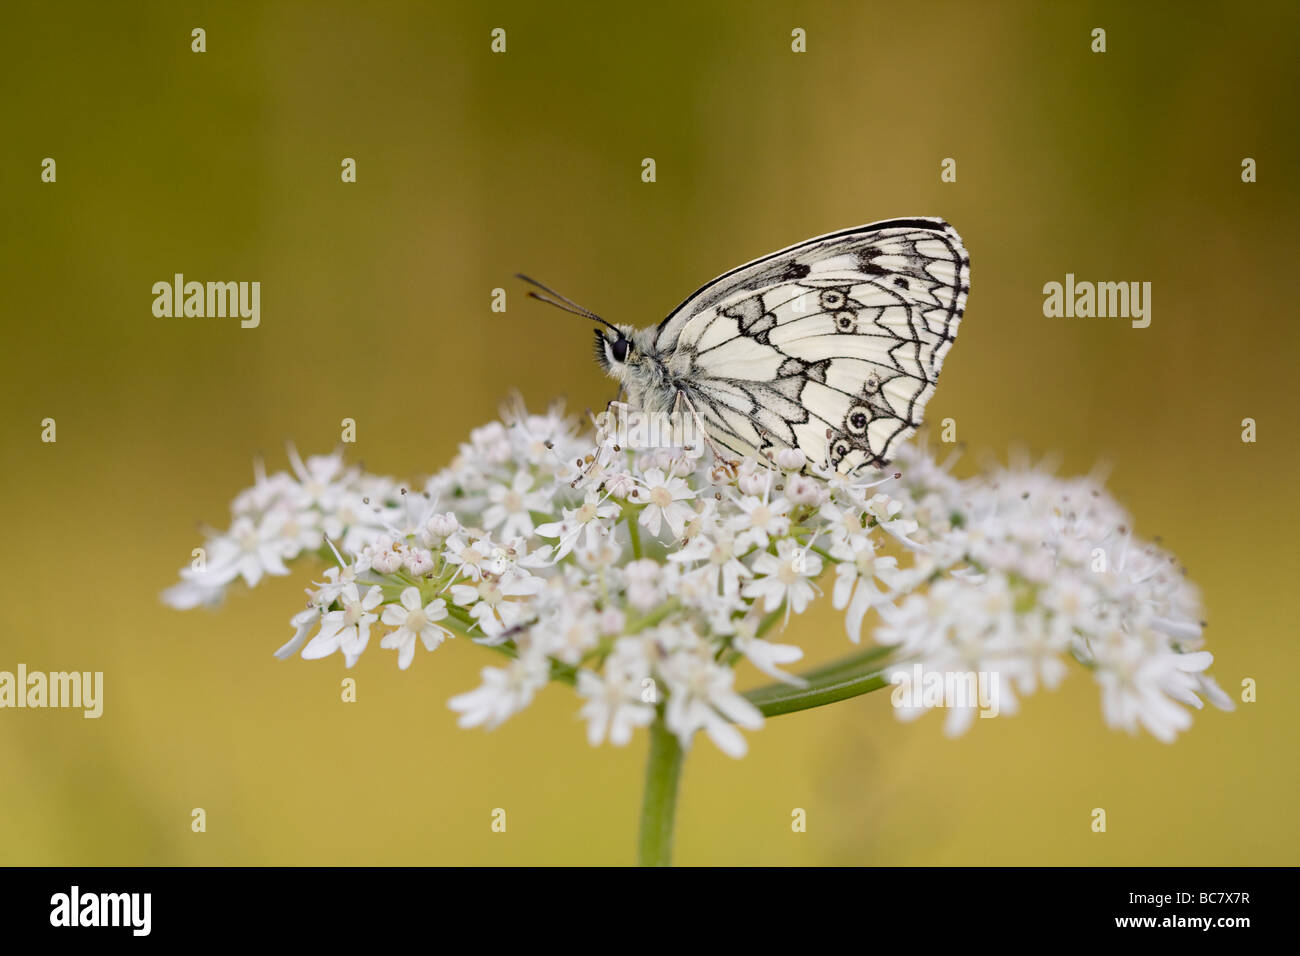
column 588, row 464
column 731, row 466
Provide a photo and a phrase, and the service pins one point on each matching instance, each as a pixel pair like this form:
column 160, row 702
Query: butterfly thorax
column 650, row 379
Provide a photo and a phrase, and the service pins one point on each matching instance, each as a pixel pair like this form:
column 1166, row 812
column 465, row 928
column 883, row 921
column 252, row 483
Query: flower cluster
column 644, row 577
column 1029, row 571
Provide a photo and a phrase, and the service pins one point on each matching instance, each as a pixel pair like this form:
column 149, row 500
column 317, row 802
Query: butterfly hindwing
column 833, row 346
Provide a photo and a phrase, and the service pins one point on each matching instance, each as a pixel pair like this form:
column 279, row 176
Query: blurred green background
column 375, row 306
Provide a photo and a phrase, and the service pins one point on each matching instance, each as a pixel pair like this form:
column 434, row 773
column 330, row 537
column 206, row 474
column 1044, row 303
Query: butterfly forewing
column 832, row 346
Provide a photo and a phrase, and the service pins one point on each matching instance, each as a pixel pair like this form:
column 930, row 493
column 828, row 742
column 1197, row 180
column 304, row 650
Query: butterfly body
column 832, row 346
column 653, row 379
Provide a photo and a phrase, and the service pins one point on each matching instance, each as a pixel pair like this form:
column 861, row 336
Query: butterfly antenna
column 562, row 302
column 551, row 292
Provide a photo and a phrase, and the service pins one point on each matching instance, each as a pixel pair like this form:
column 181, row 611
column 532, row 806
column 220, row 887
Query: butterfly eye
column 619, row 348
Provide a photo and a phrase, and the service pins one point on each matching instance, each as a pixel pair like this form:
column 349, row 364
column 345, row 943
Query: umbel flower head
column 644, row 577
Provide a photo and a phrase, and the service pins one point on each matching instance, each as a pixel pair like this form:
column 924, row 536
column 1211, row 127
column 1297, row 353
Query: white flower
column 336, row 579
column 513, row 559
column 760, row 520
column 511, row 505
column 842, row 522
column 887, row 513
column 473, row 558
column 665, row 497
column 785, row 576
column 411, row 518
column 586, row 517
column 533, row 437
column 264, row 493
column 701, row 698
column 347, row 629
column 412, row 621
column 723, row 568
column 616, row 699
column 1142, row 689
column 505, row 691
column 600, row 550
column 319, row 479
column 351, row 522
column 766, row 656
column 854, row 585
column 706, row 520
column 491, row 603
column 490, row 444
column 643, row 584
column 568, row 631
column 193, row 591
column 249, row 550
column 301, row 531
column 303, row 623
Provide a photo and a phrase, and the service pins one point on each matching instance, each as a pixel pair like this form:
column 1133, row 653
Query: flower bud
column 791, row 459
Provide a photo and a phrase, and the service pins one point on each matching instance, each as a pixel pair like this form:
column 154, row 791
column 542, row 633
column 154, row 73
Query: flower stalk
column 849, row 677
column 659, row 801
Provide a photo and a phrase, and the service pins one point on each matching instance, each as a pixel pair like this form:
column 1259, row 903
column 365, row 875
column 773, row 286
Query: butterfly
column 832, row 346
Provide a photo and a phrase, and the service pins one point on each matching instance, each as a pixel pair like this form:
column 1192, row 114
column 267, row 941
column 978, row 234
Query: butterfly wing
column 832, row 346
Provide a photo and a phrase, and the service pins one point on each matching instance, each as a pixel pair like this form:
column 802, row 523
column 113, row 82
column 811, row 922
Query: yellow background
column 225, row 166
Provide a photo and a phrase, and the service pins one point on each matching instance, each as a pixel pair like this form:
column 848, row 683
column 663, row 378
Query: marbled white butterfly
column 832, row 346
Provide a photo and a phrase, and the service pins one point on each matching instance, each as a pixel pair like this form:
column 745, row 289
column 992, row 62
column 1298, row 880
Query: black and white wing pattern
column 832, row 346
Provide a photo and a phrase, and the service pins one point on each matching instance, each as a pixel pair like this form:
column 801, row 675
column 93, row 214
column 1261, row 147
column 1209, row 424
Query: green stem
column 663, row 771
column 848, row 677
column 857, row 674
column 653, row 618
column 634, row 533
